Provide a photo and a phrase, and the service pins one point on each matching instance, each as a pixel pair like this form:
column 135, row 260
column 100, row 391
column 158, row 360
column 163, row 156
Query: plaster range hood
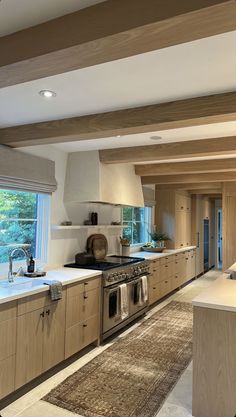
column 90, row 181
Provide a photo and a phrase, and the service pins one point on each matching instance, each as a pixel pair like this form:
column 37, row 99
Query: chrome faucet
column 11, row 256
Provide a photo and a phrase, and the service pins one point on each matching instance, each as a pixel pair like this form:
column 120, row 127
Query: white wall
column 65, row 244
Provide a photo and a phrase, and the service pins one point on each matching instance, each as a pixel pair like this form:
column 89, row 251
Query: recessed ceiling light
column 155, row 137
column 47, row 93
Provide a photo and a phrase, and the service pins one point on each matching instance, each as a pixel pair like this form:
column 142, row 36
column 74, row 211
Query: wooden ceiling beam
column 190, row 186
column 108, row 31
column 190, row 178
column 165, row 151
column 192, row 167
column 180, row 113
column 211, row 191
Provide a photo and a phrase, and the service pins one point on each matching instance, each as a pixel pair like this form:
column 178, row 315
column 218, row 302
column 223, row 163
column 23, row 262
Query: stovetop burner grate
column 108, row 263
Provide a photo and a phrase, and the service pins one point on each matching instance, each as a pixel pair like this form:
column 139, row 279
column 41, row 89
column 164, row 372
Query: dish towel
column 144, row 287
column 55, row 288
column 124, row 309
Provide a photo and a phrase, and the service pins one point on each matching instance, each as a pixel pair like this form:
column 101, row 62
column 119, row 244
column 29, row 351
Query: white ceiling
column 16, row 15
column 173, row 135
column 197, row 68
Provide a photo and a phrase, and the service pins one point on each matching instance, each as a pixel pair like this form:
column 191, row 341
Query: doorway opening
column 206, row 245
column 219, row 238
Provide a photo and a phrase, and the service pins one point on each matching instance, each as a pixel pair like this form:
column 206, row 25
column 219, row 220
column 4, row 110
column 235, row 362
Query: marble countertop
column 156, row 255
column 221, row 295
column 29, row 286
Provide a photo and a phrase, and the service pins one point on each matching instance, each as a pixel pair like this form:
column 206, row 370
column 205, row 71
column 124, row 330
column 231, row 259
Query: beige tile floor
column 177, row 404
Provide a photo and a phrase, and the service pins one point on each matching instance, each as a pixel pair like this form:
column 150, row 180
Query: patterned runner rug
column 133, row 377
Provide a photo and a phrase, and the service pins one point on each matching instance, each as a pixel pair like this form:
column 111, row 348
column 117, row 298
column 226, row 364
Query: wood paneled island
column 214, row 349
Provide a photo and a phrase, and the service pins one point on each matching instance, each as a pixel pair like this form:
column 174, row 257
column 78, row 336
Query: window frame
column 148, row 223
column 42, row 221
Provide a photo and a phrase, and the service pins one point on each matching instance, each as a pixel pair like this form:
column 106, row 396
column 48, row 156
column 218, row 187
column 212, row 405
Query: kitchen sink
column 22, row 283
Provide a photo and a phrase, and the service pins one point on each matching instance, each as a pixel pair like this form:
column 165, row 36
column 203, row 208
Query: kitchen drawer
column 175, row 281
column 89, row 331
column 84, row 286
column 177, row 265
column 82, row 306
column 154, row 264
column 166, row 271
column 166, row 287
column 166, row 259
column 35, row 302
column 154, row 292
column 81, row 335
column 7, row 311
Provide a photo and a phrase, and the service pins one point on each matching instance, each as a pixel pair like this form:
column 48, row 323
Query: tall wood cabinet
column 173, row 217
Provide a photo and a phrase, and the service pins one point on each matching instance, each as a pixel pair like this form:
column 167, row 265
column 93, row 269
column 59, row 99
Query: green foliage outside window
column 18, row 220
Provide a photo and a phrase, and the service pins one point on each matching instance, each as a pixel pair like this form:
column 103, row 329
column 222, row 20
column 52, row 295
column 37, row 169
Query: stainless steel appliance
column 116, row 271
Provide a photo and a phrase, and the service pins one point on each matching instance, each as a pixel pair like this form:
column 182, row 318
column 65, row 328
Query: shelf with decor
column 97, row 226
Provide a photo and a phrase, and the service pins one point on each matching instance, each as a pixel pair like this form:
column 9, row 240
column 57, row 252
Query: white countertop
column 221, row 295
column 64, row 275
column 156, row 255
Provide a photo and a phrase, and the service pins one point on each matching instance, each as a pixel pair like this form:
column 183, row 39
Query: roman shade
column 21, row 171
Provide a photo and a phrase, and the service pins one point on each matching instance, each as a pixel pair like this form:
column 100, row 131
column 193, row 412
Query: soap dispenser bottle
column 31, row 265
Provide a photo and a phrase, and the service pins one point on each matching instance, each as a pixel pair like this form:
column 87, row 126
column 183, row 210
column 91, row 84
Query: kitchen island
column 214, row 353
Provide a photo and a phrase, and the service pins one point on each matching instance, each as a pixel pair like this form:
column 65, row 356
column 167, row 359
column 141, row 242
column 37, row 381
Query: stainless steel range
column 123, row 279
column 129, row 277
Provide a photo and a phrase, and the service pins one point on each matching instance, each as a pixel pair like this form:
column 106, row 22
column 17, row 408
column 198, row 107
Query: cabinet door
column 7, row 376
column 187, row 236
column 89, row 330
column 29, row 347
column 180, row 229
column 154, row 288
column 54, row 334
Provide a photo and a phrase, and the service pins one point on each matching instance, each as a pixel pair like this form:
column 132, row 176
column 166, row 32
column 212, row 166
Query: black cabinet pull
column 48, row 312
column 85, row 283
column 42, row 314
column 85, row 325
column 154, row 288
column 85, row 297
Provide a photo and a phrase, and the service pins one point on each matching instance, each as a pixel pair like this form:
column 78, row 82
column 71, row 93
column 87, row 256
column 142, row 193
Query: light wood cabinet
column 40, row 337
column 214, row 363
column 7, row 348
column 37, row 333
column 82, row 316
column 173, row 217
column 172, row 271
column 54, row 334
column 29, row 355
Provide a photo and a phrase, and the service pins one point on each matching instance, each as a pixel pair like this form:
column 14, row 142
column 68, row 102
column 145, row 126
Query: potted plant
column 159, row 239
column 125, row 244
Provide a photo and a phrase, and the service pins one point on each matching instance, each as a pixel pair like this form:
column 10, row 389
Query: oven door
column 111, row 307
column 135, row 299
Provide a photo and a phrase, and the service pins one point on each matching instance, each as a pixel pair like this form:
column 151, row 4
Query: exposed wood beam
column 192, row 167
column 190, row 178
column 108, row 31
column 211, row 191
column 190, row 186
column 165, row 151
column 181, row 113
